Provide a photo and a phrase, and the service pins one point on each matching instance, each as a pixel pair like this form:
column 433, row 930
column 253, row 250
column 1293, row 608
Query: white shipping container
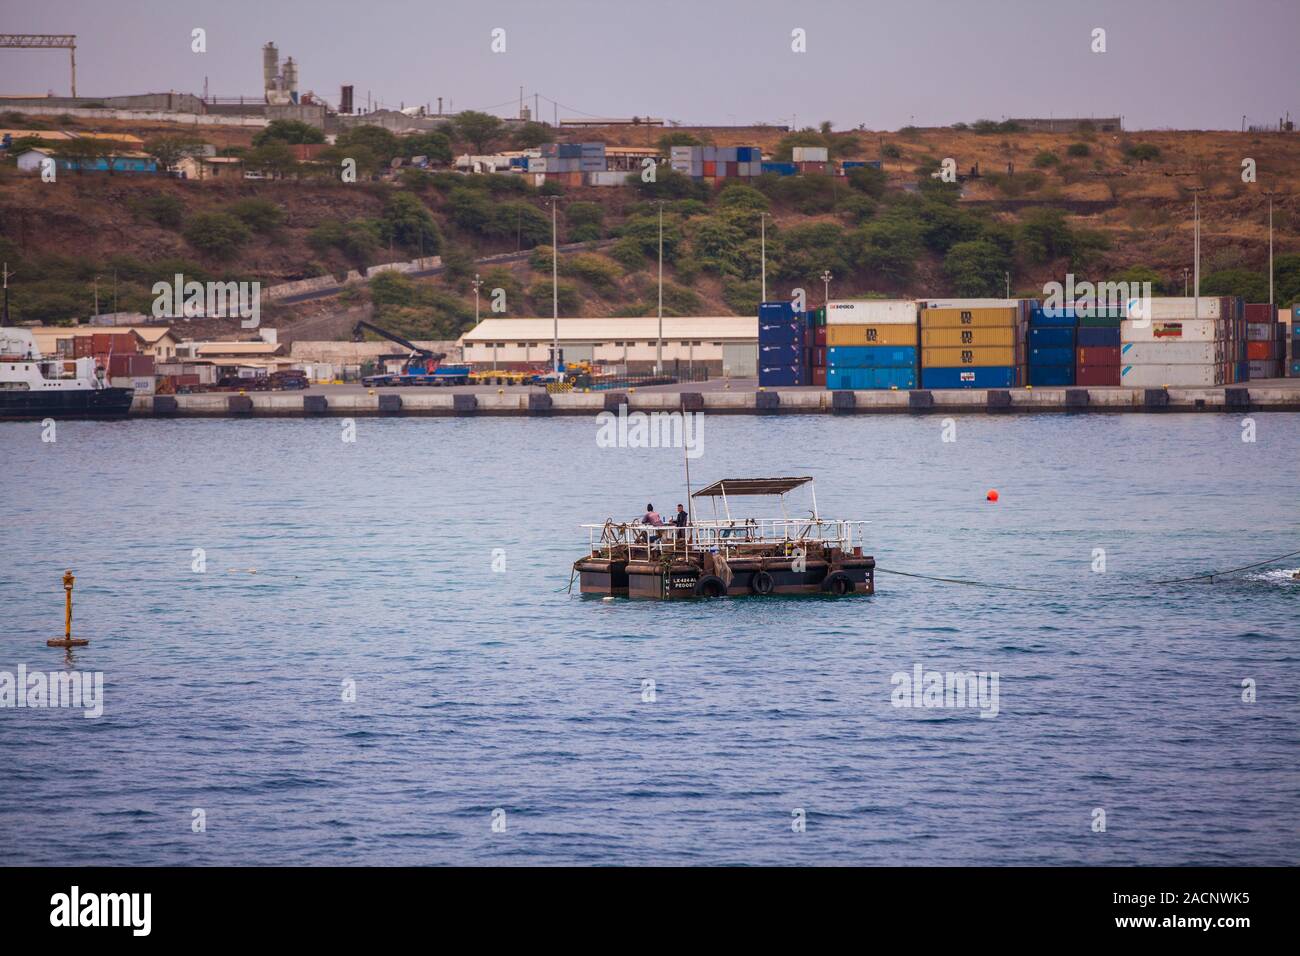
column 142, row 385
column 871, row 312
column 971, row 303
column 607, row 178
column 1184, row 330
column 681, row 152
column 1178, row 307
column 1261, row 331
column 709, row 154
column 1173, row 353
column 1173, row 376
column 810, row 154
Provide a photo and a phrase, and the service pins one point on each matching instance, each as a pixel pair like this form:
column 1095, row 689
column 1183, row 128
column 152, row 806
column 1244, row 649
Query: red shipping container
column 1260, row 351
column 1260, row 312
column 1096, row 375
column 819, row 356
column 733, row 169
column 710, row 168
column 819, row 375
column 819, row 335
column 1098, row 355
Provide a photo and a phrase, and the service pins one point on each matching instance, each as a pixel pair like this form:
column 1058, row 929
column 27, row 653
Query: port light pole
column 826, row 284
column 555, row 292
column 659, row 350
column 762, row 220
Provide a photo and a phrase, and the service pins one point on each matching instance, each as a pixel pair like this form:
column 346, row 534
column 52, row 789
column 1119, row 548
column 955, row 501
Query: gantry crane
column 45, row 41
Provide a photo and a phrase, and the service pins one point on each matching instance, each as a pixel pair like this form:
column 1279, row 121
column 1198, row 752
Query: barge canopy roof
column 729, row 487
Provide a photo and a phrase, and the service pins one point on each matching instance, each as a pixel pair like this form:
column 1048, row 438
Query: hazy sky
column 883, row 63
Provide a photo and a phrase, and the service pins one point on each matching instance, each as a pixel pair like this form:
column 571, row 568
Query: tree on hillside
column 274, row 159
column 530, row 135
column 677, row 138
column 977, row 268
column 480, row 130
column 217, row 234
column 433, row 144
column 290, row 132
column 408, row 222
column 381, row 142
column 170, row 150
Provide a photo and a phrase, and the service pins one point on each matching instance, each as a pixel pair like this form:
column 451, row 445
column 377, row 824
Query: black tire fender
column 710, row 586
column 761, row 582
column 838, row 583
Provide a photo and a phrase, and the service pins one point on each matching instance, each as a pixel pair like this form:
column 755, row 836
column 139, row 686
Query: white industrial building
column 724, row 344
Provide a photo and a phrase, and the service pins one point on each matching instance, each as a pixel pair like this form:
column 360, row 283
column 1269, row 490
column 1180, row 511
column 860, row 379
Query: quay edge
column 1283, row 398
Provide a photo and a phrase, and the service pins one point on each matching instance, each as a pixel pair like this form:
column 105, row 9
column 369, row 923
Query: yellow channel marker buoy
column 67, row 640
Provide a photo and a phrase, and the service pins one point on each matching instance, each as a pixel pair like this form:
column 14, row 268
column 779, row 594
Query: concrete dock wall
column 447, row 402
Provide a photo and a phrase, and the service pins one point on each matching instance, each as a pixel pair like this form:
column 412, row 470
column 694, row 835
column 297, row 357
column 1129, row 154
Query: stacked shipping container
column 1265, row 345
column 871, row 344
column 1051, row 353
column 1295, row 342
column 567, row 163
column 717, row 163
column 1185, row 345
column 782, row 336
column 816, row 353
column 973, row 343
column 1097, row 357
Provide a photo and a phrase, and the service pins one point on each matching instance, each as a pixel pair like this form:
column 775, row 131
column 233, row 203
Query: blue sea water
column 476, row 690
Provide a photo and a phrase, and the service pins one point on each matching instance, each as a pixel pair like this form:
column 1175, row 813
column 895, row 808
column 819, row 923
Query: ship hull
column 770, row 577
column 60, row 403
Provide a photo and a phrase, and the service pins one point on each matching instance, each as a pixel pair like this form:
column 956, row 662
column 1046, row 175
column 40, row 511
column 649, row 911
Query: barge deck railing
column 731, row 538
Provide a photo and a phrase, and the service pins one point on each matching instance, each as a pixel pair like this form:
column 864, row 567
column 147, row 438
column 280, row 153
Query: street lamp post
column 826, row 284
column 1271, row 303
column 477, row 284
column 762, row 219
column 1196, row 250
column 555, row 292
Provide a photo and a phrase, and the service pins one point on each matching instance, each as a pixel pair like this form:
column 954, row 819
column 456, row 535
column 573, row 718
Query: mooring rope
column 1016, row 587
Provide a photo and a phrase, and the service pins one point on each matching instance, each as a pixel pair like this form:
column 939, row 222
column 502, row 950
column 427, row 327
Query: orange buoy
column 992, row 495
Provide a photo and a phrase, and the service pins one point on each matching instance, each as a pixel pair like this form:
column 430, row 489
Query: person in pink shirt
column 651, row 517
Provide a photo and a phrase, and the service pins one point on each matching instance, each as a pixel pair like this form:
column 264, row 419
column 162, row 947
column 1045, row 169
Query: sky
column 883, row 64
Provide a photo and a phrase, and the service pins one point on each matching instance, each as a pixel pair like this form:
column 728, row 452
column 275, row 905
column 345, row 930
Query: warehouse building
column 724, row 344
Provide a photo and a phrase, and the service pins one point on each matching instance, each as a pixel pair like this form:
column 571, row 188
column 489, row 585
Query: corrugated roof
column 736, row 327
column 731, row 487
column 236, row 348
column 149, row 333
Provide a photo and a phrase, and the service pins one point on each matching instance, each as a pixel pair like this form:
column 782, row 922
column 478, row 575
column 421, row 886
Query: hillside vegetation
column 1102, row 206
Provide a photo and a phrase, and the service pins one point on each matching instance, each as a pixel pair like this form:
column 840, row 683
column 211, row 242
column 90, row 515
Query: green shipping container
column 1100, row 321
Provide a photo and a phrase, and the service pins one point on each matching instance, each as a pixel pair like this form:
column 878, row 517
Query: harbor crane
column 45, row 41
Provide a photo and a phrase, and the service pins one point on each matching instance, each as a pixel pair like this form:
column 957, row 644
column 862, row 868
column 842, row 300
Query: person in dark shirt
column 680, row 519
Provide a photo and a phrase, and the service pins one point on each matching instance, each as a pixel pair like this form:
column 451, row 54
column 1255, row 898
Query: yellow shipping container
column 976, row 355
column 871, row 335
column 1003, row 335
column 966, row 318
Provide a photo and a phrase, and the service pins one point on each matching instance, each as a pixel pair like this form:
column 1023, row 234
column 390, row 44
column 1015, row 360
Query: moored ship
column 35, row 387
column 729, row 557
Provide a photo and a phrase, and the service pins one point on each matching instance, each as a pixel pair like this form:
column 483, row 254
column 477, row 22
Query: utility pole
column 1184, row 282
column 96, row 295
column 659, row 352
column 826, row 282
column 762, row 218
column 477, row 284
column 1008, row 275
column 7, row 274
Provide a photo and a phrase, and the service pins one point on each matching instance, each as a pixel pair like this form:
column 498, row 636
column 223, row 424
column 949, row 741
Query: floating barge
column 729, row 557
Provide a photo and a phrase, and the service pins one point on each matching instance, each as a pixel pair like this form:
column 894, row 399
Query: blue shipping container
column 779, row 169
column 1051, row 376
column 781, row 333
column 1091, row 337
column 1052, row 336
column 782, row 375
column 870, row 378
column 1051, row 357
column 871, row 356
column 779, row 311
column 1053, row 317
column 985, row 376
column 780, row 353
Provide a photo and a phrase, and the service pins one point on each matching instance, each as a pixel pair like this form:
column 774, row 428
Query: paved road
column 566, row 249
